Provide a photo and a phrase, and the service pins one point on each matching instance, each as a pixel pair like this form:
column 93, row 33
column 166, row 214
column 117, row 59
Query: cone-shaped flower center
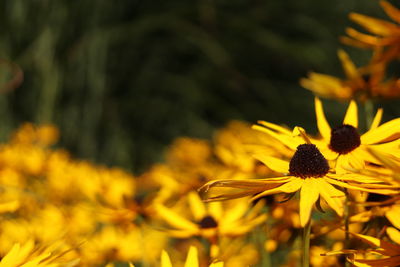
column 307, row 162
column 344, row 139
column 208, row 222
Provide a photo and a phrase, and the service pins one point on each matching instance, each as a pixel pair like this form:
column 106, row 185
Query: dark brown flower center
column 344, row 139
column 307, row 162
column 208, row 222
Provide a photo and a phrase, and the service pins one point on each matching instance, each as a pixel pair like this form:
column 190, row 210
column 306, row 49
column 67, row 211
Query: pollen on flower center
column 208, row 222
column 344, row 139
column 307, row 162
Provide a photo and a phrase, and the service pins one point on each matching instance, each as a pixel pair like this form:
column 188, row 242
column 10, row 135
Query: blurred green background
column 123, row 78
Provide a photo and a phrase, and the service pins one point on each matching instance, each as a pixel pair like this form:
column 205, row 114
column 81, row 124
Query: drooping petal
column 388, row 249
column 386, row 132
column 388, row 262
column 192, row 259
column 351, row 117
column 292, row 186
column 386, row 190
column 334, row 197
column 323, row 125
column 309, row 194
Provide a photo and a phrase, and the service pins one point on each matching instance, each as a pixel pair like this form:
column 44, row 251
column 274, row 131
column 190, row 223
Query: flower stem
column 306, row 244
column 369, row 112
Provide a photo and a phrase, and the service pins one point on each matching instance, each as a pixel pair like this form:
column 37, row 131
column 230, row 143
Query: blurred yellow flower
column 191, row 260
column 382, row 33
column 361, row 83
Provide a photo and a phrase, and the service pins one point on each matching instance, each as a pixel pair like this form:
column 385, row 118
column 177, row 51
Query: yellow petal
column 377, row 119
column 390, row 262
column 275, row 127
column 365, row 38
column 165, row 260
column 174, row 219
column 350, row 69
column 391, row 11
column 342, row 164
column 322, row 123
column 309, row 194
column 273, row 163
column 217, row 264
column 388, row 131
column 292, row 186
column 351, row 117
column 215, row 209
column 394, row 234
column 287, row 140
column 334, row 197
column 376, row 26
column 393, row 215
column 192, row 259
column 196, row 206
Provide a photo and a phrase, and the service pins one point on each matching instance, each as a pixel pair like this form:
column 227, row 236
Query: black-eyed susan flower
column 382, row 33
column 343, row 144
column 210, row 220
column 307, row 172
column 350, row 148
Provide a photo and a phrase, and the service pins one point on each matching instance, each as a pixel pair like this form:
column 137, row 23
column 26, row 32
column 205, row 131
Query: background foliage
column 122, row 78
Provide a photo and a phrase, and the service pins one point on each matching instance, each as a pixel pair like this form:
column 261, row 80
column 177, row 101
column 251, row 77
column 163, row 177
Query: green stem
column 369, row 112
column 306, row 244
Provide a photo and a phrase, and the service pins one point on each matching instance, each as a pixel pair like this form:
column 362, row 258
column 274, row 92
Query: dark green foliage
column 122, row 78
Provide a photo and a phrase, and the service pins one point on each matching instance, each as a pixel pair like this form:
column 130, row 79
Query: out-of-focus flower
column 383, row 34
column 384, row 253
column 29, row 255
column 192, row 259
column 361, row 83
column 211, row 220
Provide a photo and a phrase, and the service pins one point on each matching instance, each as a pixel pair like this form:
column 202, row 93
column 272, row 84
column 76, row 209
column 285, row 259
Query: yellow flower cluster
column 244, row 198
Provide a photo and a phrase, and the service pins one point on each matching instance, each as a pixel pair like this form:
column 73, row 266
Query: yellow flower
column 361, row 83
column 308, row 172
column 348, row 147
column 389, row 253
column 343, row 144
column 29, row 255
column 383, row 33
column 192, row 259
column 211, row 220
